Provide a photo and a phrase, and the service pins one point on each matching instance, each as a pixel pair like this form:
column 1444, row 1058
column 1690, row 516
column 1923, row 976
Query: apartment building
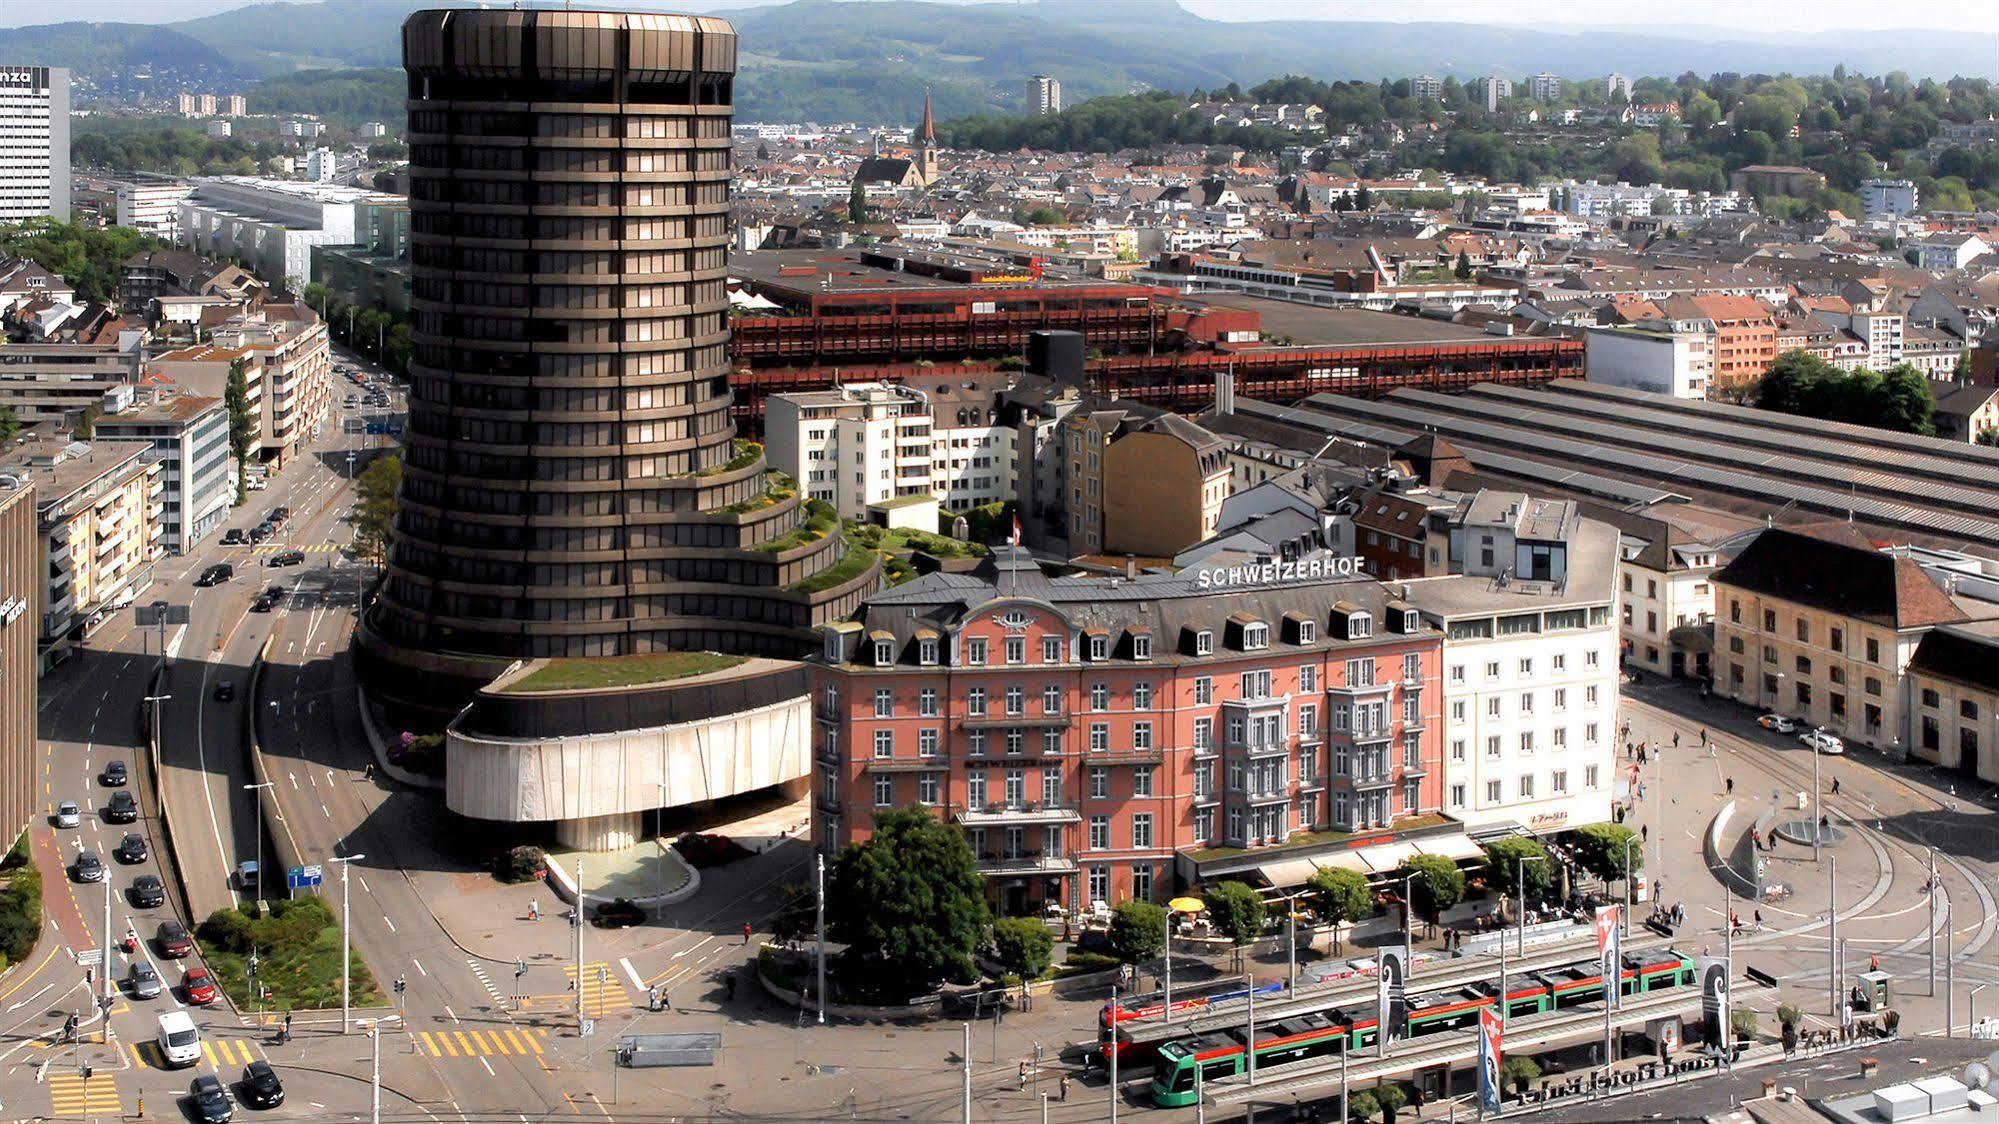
column 1098, row 739
column 1741, row 330
column 21, row 589
column 1044, row 95
column 1953, row 700
column 1887, row 199
column 1162, row 483
column 1531, row 678
column 97, row 510
column 853, row 446
column 288, row 370
column 188, row 436
column 55, row 382
column 1544, row 86
column 1490, row 91
column 1662, row 362
column 34, row 143
column 151, row 205
column 1616, row 84
column 1426, row 87
column 1817, row 622
column 1667, row 582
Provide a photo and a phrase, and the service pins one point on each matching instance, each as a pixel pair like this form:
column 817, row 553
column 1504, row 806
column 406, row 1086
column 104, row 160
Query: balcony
column 1018, row 722
column 1277, row 748
column 1126, row 756
column 904, row 764
column 830, row 805
column 1361, row 690
column 1371, row 778
column 1025, row 812
column 1026, row 862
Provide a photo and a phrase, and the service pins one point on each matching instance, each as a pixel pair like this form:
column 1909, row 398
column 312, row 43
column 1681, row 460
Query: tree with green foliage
column 10, row 423
column 1023, row 946
column 1511, row 860
column 1236, row 911
column 1438, row 885
column 85, row 256
column 1343, row 897
column 1800, row 383
column 1988, row 438
column 379, row 490
column 243, row 424
column 1390, row 1097
column 1519, row 1071
column 1363, row 199
column 1462, row 271
column 1363, row 1105
column 857, row 203
column 1904, row 401
column 1601, row 849
column 909, row 904
column 1138, row 931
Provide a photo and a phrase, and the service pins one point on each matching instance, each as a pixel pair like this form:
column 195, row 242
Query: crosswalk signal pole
column 577, row 915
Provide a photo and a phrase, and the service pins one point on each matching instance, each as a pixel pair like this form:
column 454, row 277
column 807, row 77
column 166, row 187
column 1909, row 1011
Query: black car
column 114, row 774
column 261, row 1087
column 234, row 536
column 263, row 604
column 211, row 1100
column 132, row 848
column 173, row 941
column 89, row 868
column 121, row 808
column 279, row 514
column 287, row 558
column 215, row 575
column 260, row 532
column 148, row 892
column 225, row 691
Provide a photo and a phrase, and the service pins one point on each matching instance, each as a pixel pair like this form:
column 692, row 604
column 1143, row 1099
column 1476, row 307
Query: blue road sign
column 304, row 877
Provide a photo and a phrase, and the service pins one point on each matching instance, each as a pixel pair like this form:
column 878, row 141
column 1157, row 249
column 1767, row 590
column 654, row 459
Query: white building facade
column 34, row 143
column 1677, row 363
column 151, row 207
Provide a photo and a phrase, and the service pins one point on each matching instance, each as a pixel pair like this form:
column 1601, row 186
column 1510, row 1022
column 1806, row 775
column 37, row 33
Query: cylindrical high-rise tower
column 572, row 483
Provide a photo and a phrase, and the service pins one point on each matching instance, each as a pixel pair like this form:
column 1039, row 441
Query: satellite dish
column 1977, row 1076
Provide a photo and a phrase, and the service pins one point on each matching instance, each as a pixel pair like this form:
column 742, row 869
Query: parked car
column 89, row 868
column 68, row 814
column 260, row 532
column 114, row 774
column 225, row 691
column 143, row 980
column 287, row 558
column 198, row 987
column 148, row 892
column 260, row 1087
column 132, row 848
column 173, row 941
column 234, row 536
column 1783, row 724
column 215, row 575
column 1822, row 742
column 247, row 876
column 278, row 515
column 211, row 1100
column 122, row 808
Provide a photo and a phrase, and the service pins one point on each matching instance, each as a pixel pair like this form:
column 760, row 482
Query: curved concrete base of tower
column 595, row 762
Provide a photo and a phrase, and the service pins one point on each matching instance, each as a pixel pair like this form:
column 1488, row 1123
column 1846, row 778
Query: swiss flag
column 1013, row 537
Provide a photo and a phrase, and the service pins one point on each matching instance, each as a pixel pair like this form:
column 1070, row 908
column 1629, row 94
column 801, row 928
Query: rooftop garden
column 820, row 521
column 746, row 452
column 620, row 671
column 851, row 565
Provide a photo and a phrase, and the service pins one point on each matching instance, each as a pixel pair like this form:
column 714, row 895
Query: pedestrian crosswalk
column 481, row 1043
column 309, row 548
column 603, row 990
column 219, row 1053
column 72, row 1094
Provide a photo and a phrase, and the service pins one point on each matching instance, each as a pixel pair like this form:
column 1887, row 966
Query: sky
column 1769, row 17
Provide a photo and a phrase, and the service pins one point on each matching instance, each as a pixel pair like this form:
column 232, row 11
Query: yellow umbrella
column 1186, row 905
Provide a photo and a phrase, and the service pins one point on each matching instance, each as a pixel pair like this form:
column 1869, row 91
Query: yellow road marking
column 429, row 1043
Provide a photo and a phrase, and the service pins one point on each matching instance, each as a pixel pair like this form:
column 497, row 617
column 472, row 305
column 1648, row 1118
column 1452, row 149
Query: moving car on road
column 173, row 940
column 287, row 558
column 143, row 980
column 198, row 987
column 148, row 892
column 132, row 848
column 89, row 868
column 122, row 808
column 114, row 774
column 211, row 1100
column 261, row 1087
column 225, row 691
column 234, row 536
column 1783, row 724
column 179, row 1040
column 68, row 814
column 1822, row 742
column 215, row 575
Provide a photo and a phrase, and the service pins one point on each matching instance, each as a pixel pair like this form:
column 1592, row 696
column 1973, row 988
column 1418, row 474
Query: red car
column 199, row 987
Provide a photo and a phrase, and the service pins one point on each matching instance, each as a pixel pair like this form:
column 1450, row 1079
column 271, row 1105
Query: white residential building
column 1490, row 91
column 271, row 224
column 1615, row 84
column 219, row 128
column 1950, row 251
column 34, row 143
column 1887, row 199
column 151, row 206
column 1530, row 664
column 1044, row 95
column 1544, row 86
column 1426, row 87
column 1667, row 585
column 1676, row 363
column 870, row 443
column 189, row 437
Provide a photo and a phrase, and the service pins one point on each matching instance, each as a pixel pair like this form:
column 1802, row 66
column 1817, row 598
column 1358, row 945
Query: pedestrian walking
column 1023, row 1074
column 1835, row 786
column 746, row 932
column 1676, row 739
column 1759, row 920
column 1644, row 834
column 534, row 911
column 1731, row 786
column 1065, row 1088
column 287, row 1036
column 665, row 999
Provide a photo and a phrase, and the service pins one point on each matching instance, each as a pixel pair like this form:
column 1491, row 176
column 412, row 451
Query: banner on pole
column 1488, row 1059
column 1712, row 971
column 1610, row 955
column 1391, row 998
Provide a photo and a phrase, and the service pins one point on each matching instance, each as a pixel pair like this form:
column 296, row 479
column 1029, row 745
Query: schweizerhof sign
column 1314, row 569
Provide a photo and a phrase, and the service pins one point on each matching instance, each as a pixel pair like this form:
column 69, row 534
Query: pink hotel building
column 1101, row 739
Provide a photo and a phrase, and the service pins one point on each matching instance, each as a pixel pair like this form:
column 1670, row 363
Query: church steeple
column 926, row 144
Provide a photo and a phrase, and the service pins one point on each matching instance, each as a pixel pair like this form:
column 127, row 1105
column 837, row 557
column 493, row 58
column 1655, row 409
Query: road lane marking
column 626, row 963
column 419, row 965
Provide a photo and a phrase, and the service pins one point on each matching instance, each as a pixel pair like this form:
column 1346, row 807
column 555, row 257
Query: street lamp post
column 1971, row 1015
column 1188, row 905
column 1520, row 878
column 257, row 825
column 1627, row 883
column 345, row 956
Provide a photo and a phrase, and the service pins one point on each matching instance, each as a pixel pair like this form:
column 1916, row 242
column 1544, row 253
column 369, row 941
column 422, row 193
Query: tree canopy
column 1138, row 931
column 380, row 486
column 909, row 904
column 1601, row 849
column 1236, row 911
column 87, row 257
column 1438, row 884
column 1801, row 383
column 1512, row 860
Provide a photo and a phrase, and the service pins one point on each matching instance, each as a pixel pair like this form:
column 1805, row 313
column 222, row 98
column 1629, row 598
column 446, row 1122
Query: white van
column 179, row 1040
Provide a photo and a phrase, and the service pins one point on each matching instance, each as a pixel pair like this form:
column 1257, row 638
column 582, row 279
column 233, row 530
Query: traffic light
column 402, row 984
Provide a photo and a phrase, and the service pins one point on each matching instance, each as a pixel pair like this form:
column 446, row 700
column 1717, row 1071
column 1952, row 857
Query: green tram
column 1327, row 1033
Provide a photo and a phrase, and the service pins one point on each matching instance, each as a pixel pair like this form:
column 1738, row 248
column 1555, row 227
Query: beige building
column 1164, row 483
column 289, row 366
column 20, row 611
column 1953, row 695
column 1817, row 622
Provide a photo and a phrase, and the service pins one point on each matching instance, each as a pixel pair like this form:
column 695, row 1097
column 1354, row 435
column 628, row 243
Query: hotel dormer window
column 926, row 651
column 1204, row 643
column 1100, row 648
column 1308, row 631
column 1360, row 626
column 1141, row 647
column 1255, row 636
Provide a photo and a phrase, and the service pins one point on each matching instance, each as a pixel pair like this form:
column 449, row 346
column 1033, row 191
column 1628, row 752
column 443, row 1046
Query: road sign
column 157, row 613
column 89, row 957
column 304, row 877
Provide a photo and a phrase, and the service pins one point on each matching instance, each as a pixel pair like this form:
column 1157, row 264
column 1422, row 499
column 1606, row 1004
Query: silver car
column 68, row 814
column 144, row 980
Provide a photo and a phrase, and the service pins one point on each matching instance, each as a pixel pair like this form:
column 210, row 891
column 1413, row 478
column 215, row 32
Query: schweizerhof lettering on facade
column 1313, row 569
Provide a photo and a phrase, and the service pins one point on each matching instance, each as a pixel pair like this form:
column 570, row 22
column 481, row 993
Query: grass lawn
column 298, row 952
column 850, row 566
column 621, row 671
